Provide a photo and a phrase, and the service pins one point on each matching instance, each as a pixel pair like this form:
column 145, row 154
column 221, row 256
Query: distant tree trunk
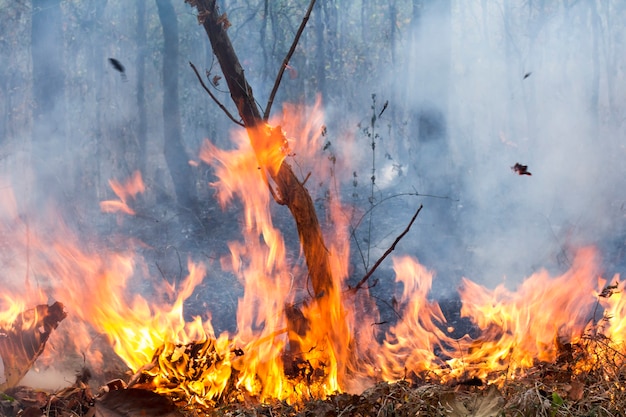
column 511, row 73
column 142, row 122
column 393, row 16
column 430, row 153
column 365, row 20
column 263, row 40
column 48, row 93
column 394, row 144
column 4, row 94
column 611, row 68
column 430, row 88
column 484, row 9
column 595, row 59
column 331, row 22
column 173, row 148
column 320, row 60
column 91, row 175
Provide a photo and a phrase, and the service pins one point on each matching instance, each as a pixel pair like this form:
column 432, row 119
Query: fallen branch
column 388, row 251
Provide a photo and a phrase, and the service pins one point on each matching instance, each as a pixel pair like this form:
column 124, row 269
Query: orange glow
column 286, row 345
column 410, row 344
column 129, row 189
column 520, row 328
column 272, row 322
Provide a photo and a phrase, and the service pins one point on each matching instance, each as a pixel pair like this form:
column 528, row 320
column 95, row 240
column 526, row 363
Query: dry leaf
column 23, row 342
column 487, row 405
column 576, row 391
column 134, row 403
column 520, row 169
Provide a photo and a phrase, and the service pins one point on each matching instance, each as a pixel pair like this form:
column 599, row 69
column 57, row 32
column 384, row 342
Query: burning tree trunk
column 268, row 144
column 291, row 192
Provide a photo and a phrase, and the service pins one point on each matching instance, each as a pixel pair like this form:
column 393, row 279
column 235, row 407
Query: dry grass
column 588, row 379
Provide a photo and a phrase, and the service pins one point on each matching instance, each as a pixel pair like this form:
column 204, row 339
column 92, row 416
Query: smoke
column 471, row 92
column 511, row 85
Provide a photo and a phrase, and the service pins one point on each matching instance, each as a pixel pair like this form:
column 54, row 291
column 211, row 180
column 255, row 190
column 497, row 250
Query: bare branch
column 279, row 77
column 221, row 106
column 388, row 251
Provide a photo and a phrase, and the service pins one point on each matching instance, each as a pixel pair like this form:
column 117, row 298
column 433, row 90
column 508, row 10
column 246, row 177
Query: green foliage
column 557, row 403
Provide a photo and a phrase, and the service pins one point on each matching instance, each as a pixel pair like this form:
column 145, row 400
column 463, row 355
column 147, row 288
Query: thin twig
column 221, row 106
column 388, row 251
column 137, row 375
column 279, row 77
column 357, row 224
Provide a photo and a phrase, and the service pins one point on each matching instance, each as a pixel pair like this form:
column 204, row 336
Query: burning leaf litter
column 538, row 346
column 23, row 340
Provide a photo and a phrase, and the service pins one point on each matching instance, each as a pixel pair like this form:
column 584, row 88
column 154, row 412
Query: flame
column 289, row 330
column 522, row 327
column 288, row 346
column 410, row 345
column 129, row 189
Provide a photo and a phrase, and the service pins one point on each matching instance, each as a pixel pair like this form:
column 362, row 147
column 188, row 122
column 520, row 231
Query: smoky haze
column 472, row 88
column 529, row 86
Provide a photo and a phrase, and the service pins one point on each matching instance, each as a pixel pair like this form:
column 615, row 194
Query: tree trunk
column 173, row 148
column 142, row 122
column 320, row 59
column 290, row 191
column 48, row 93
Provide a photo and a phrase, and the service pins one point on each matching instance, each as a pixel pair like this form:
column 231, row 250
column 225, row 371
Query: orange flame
column 522, row 327
column 129, row 189
column 283, row 348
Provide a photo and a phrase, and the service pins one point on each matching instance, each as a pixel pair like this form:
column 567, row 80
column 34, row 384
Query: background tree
column 572, row 54
column 48, row 92
column 173, row 147
column 142, row 122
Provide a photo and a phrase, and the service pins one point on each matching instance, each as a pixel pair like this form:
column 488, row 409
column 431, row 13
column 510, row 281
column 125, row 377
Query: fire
column 287, row 345
column 410, row 345
column 291, row 331
column 129, row 189
column 522, row 327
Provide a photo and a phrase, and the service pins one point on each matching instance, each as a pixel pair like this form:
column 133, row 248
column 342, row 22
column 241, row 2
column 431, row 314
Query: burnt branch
column 283, row 66
column 388, row 251
column 220, row 105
